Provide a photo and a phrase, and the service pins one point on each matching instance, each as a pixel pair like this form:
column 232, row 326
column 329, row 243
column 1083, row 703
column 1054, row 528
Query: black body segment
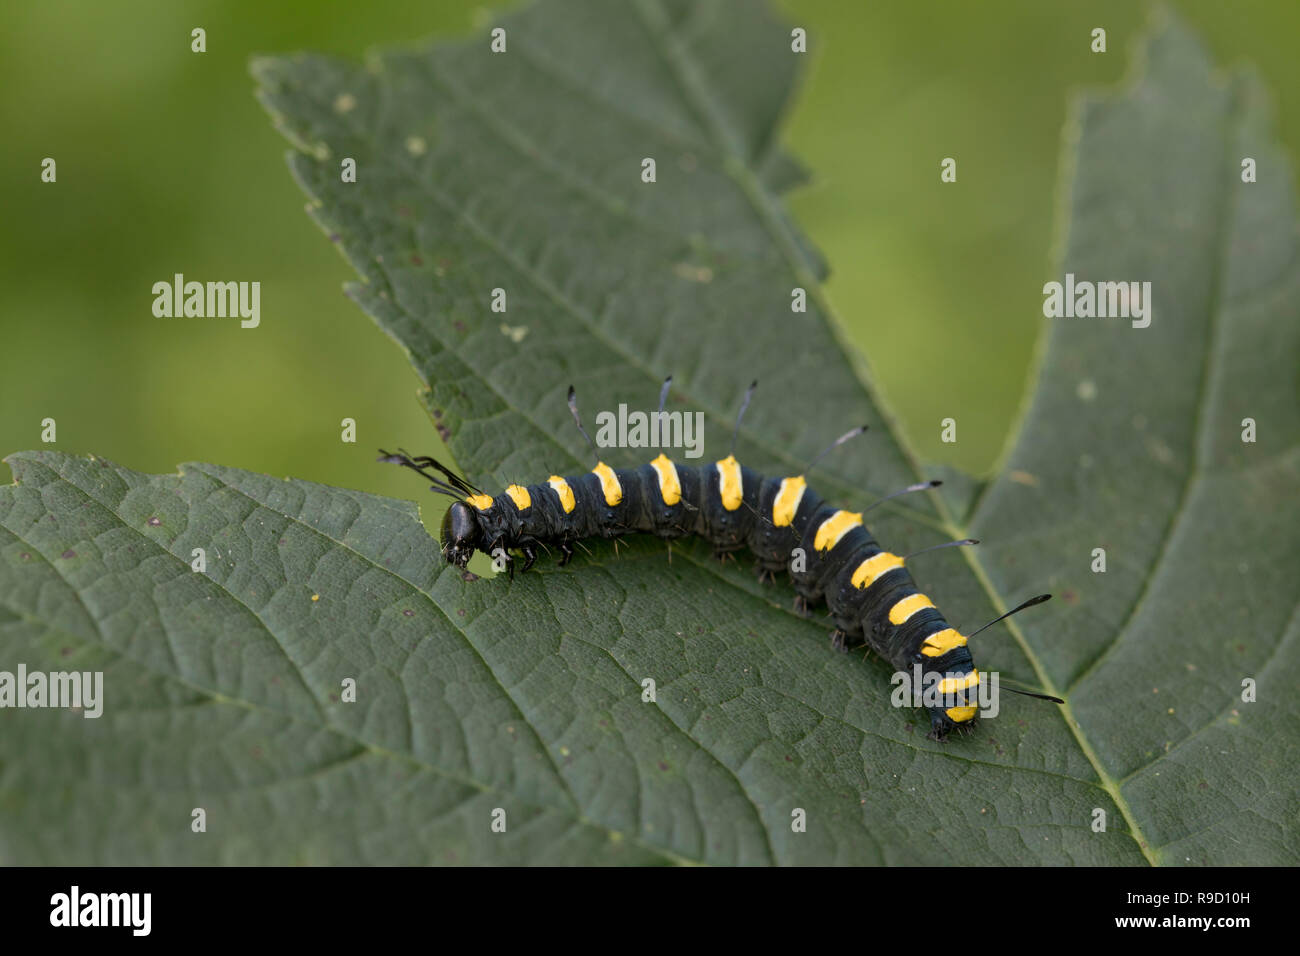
column 829, row 553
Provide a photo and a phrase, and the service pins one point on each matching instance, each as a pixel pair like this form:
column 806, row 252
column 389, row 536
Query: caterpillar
column 871, row 596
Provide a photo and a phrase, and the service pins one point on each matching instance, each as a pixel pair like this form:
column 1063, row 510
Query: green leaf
column 1134, row 443
column 521, row 171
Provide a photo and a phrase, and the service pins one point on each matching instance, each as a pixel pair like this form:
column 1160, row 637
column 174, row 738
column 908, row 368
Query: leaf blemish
column 693, row 273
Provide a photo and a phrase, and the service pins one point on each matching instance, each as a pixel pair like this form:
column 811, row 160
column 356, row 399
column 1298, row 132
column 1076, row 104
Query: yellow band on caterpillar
column 941, row 642
column 835, row 527
column 561, row 488
column 960, row 714
column 730, row 483
column 520, row 496
column 875, row 567
column 608, row 483
column 670, row 489
column 481, row 502
column 908, row 606
column 786, row 503
column 950, row 685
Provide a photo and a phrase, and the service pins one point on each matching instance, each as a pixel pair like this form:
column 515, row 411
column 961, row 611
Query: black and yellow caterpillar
column 871, row 596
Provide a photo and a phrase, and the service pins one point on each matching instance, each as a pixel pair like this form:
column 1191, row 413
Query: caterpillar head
column 461, row 534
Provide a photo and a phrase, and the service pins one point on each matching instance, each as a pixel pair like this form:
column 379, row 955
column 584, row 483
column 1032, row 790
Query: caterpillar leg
column 842, row 640
column 801, row 606
column 767, row 570
column 566, row 553
column 530, row 555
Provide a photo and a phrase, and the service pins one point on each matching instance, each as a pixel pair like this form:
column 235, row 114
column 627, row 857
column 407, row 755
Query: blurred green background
column 167, row 164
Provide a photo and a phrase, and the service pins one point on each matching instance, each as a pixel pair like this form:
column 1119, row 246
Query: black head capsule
column 461, row 534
